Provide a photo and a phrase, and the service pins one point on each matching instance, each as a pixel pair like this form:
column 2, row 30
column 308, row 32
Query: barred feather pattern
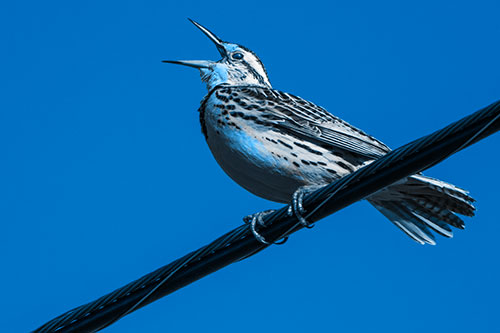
column 421, row 203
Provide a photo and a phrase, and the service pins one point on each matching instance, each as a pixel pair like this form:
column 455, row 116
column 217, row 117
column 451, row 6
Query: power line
column 240, row 243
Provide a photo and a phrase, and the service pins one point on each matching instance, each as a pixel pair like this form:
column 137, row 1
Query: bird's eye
column 237, row 56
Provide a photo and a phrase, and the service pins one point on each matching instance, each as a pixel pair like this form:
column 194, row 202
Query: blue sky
column 106, row 176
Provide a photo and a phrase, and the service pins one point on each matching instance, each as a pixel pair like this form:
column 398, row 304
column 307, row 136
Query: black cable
column 240, row 243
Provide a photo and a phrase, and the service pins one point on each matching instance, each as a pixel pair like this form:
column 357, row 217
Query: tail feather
column 434, row 189
column 429, row 218
column 406, row 221
column 421, row 204
column 436, row 194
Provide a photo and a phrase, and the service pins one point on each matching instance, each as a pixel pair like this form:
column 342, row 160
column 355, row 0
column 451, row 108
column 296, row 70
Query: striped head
column 238, row 66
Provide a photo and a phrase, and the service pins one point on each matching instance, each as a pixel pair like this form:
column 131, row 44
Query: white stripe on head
column 240, row 66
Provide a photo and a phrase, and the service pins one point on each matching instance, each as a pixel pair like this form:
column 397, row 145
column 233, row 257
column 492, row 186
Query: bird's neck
column 235, row 76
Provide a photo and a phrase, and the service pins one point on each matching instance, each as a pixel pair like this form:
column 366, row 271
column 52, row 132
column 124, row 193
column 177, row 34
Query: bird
column 280, row 147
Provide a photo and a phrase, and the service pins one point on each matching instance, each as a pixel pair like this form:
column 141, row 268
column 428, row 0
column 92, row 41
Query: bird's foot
column 296, row 207
column 257, row 218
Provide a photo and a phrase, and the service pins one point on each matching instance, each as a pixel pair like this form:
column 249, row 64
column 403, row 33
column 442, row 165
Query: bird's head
column 238, row 66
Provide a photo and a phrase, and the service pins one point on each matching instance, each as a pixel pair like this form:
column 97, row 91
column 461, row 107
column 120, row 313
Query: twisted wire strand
column 152, row 280
column 240, row 242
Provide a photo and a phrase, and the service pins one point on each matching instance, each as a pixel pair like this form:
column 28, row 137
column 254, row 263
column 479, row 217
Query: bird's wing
column 298, row 117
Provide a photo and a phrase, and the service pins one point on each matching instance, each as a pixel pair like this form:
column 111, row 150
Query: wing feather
column 310, row 122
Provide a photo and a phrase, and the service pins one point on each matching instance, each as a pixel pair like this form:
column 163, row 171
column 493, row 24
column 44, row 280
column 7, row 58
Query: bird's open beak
column 202, row 63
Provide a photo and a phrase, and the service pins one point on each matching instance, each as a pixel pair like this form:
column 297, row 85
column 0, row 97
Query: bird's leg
column 296, row 208
column 253, row 219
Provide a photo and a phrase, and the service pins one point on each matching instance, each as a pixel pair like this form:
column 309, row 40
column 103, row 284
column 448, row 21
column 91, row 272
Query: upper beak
column 202, row 63
column 216, row 40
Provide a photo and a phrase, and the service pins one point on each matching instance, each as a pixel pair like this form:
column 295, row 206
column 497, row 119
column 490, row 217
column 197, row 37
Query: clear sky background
column 105, row 175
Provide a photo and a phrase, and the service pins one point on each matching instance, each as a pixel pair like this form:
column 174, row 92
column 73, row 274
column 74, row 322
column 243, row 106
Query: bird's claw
column 296, row 206
column 257, row 218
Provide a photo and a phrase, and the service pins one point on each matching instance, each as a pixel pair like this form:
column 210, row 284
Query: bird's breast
column 240, row 148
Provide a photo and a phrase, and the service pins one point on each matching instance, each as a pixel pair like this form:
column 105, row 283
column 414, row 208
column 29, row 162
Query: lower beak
column 191, row 63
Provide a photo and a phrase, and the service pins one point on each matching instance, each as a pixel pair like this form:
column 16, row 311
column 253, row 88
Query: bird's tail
column 420, row 204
